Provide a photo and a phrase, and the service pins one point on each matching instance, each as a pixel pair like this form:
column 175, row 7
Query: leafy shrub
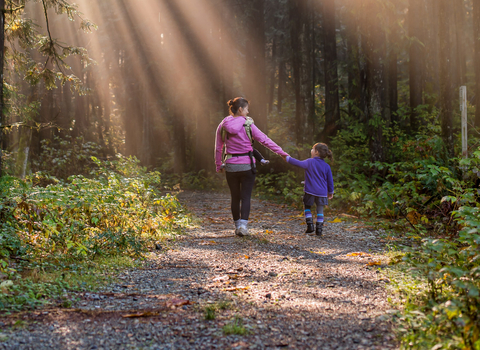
column 286, row 185
column 118, row 210
column 445, row 313
column 62, row 157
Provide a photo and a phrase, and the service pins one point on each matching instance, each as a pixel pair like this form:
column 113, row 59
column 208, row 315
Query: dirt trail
column 281, row 287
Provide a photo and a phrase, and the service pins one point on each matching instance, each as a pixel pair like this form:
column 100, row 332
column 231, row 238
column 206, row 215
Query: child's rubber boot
column 319, row 229
column 310, row 228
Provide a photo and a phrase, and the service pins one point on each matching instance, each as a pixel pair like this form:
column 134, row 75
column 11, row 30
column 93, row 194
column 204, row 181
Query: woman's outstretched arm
column 259, row 136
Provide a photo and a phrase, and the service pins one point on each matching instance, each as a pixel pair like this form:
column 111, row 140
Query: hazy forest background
column 374, row 73
column 108, row 105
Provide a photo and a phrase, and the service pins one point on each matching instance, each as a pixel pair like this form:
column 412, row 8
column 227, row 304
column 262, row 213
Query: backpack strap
column 248, row 128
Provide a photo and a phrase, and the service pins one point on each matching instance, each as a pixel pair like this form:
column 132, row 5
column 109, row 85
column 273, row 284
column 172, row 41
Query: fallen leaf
column 221, row 278
column 142, row 314
column 374, row 263
column 319, row 253
column 246, row 257
column 349, row 216
column 232, row 289
column 178, row 302
column 335, row 221
column 359, row 254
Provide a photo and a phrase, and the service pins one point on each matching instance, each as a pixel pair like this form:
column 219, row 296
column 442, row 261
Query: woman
column 239, row 161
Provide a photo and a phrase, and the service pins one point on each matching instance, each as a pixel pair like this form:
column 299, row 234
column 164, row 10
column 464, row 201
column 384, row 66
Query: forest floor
column 277, row 288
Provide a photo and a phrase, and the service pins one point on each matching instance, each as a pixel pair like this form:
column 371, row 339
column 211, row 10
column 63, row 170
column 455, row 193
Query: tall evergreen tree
column 332, row 102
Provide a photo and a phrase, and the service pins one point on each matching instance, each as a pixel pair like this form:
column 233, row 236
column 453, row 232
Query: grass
column 210, row 310
column 235, row 327
column 43, row 284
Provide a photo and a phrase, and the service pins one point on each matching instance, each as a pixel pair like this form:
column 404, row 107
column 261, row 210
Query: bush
column 119, row 210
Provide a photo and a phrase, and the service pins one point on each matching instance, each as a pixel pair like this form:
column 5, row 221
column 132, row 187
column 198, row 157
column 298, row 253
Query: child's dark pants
column 241, row 186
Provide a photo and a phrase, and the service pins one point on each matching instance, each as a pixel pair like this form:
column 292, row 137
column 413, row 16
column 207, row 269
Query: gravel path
column 277, row 288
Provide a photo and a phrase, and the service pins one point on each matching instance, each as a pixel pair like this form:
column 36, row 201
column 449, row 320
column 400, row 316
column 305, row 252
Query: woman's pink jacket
column 237, row 141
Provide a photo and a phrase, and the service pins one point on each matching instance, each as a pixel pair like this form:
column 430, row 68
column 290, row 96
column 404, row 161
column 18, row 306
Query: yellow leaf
column 246, row 257
column 374, row 263
column 336, row 221
column 232, row 289
column 359, row 254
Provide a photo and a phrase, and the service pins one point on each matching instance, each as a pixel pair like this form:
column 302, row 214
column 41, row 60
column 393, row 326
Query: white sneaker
column 237, row 224
column 242, row 229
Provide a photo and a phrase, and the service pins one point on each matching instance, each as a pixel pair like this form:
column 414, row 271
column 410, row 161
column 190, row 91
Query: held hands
column 285, row 157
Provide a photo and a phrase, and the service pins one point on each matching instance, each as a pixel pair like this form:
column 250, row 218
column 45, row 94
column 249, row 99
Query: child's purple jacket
column 318, row 175
column 237, row 141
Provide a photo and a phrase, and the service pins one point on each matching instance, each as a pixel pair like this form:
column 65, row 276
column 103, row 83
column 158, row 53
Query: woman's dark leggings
column 241, row 186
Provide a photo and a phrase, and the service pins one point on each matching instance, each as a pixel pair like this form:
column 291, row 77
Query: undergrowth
column 49, row 225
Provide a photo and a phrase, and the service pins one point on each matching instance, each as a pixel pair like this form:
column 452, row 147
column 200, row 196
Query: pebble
column 287, row 288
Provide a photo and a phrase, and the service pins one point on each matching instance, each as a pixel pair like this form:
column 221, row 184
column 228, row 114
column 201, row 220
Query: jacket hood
column 233, row 125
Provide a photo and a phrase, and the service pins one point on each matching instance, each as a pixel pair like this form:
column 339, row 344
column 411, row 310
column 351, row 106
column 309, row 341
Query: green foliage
column 119, row 210
column 443, row 312
column 210, row 312
column 42, row 283
column 24, row 37
column 235, row 327
column 62, row 157
column 287, row 185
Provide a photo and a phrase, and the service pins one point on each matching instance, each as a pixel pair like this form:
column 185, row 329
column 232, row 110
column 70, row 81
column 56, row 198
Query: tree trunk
column 255, row 72
column 446, row 86
column 458, row 37
column 227, row 71
column 460, row 33
column 355, row 105
column 180, row 155
column 296, row 38
column 476, row 61
column 2, row 54
column 432, row 81
column 417, row 60
column 376, row 82
column 273, row 65
column 282, row 77
column 392, row 64
column 332, row 104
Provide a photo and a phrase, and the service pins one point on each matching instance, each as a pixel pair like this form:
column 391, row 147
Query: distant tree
column 332, row 103
column 375, row 56
column 476, row 37
column 416, row 59
column 446, row 84
column 34, row 52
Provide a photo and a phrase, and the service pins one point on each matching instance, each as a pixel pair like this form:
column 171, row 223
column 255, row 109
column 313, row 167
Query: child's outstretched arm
column 300, row 163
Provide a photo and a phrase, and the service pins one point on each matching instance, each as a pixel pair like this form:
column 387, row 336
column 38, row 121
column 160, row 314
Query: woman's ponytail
column 235, row 104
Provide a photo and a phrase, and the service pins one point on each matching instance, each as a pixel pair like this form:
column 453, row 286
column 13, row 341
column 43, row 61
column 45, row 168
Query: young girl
column 318, row 184
column 240, row 159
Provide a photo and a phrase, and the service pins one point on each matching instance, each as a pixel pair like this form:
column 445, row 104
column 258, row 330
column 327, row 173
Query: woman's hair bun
column 236, row 103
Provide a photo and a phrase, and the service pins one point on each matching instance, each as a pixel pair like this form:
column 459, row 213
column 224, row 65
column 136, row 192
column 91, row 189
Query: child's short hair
column 323, row 151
